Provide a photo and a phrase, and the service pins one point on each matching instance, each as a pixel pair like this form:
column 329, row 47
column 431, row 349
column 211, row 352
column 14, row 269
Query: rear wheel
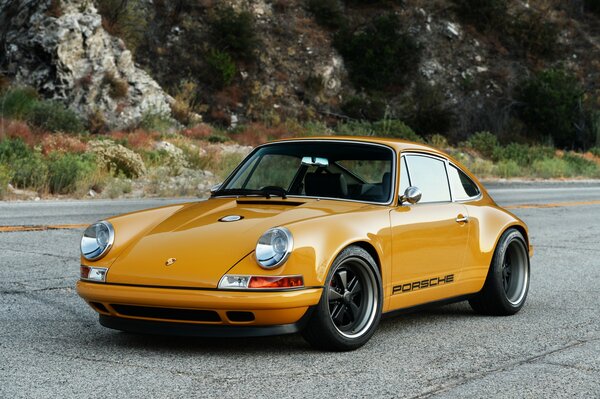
column 507, row 283
column 350, row 306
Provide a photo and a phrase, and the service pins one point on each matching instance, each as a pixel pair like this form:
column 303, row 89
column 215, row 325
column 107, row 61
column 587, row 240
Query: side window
column 429, row 175
column 404, row 182
column 462, row 187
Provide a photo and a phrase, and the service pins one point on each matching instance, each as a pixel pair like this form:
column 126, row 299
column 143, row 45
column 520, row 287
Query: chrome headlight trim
column 94, row 247
column 274, row 247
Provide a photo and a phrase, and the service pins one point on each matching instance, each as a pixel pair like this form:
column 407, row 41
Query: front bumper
column 161, row 309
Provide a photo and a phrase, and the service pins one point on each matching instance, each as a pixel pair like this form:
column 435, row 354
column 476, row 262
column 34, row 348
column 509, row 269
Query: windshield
column 335, row 169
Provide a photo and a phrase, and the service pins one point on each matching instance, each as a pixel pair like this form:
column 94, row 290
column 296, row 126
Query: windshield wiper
column 263, row 192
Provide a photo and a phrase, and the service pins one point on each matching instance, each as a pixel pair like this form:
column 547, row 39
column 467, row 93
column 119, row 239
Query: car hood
column 200, row 248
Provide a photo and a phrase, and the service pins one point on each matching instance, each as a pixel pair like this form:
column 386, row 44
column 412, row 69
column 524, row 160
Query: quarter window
column 462, row 187
column 429, row 175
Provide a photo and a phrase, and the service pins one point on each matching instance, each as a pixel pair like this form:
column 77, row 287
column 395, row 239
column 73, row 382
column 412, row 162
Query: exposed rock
column 68, row 56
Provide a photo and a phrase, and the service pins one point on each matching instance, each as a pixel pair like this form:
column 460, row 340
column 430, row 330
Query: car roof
column 397, row 144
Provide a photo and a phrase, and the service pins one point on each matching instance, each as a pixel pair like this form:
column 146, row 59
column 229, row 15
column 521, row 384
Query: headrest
column 325, row 185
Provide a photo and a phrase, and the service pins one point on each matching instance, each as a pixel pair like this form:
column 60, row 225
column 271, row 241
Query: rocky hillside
column 451, row 67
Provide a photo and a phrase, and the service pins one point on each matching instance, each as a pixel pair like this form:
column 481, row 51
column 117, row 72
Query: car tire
column 507, row 282
column 350, row 307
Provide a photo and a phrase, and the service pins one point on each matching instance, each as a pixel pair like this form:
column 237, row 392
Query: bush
column 234, row 33
column 550, row 107
column 395, row 128
column 5, row 178
column 30, row 172
column 522, row 154
column 595, row 151
column 53, row 116
column 550, row 168
column 117, row 87
column 117, row 159
column 221, row 68
column 485, row 143
column 508, row 169
column 580, row 166
column 28, row 169
column 483, row 14
column 66, row 170
column 18, row 103
column 328, row 13
column 385, row 128
column 156, row 122
column 380, row 56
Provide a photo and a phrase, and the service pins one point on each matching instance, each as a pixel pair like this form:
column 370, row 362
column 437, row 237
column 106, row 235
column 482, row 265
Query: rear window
column 463, row 188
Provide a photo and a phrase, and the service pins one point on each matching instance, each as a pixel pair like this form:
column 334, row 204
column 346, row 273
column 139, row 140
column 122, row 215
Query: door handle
column 462, row 219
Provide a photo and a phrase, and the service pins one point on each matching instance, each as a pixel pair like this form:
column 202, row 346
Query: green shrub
column 580, row 166
column 550, row 107
column 551, row 168
column 385, row 128
column 485, row 143
column 217, row 138
column 328, row 13
column 234, row 33
column 30, row 172
column 55, row 117
column 221, row 68
column 595, row 151
column 12, row 149
column 66, row 170
column 395, row 128
column 156, row 122
column 17, row 103
column 508, row 169
column 483, row 14
column 354, row 128
column 379, row 57
column 5, row 178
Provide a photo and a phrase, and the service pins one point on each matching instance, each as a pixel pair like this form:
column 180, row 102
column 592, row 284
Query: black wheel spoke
column 354, row 311
column 343, row 275
column 338, row 314
column 334, row 295
column 355, row 287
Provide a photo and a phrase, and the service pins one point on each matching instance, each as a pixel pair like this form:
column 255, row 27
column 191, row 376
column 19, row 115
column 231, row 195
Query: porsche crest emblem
column 170, row 261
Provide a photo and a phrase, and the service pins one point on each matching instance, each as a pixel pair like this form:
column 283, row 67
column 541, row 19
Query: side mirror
column 215, row 188
column 412, row 195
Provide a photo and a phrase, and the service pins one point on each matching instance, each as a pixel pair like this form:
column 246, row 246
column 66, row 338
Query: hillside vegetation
column 511, row 88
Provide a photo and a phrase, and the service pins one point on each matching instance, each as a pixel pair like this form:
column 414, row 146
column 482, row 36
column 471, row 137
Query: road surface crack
column 478, row 375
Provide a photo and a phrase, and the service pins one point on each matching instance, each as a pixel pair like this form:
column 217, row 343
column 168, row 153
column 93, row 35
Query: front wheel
column 507, row 283
column 350, row 306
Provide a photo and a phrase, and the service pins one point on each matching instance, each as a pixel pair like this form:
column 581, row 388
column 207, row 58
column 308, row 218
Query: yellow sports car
column 318, row 235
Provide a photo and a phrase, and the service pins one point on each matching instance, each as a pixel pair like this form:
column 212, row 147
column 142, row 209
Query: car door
column 429, row 238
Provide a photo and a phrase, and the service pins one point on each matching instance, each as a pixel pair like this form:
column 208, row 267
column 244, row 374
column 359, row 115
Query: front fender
column 317, row 242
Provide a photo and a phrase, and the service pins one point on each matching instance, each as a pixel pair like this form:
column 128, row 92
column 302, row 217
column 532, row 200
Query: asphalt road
column 52, row 346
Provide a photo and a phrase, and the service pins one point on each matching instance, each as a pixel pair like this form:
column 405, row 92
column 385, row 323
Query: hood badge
column 231, row 218
column 170, row 261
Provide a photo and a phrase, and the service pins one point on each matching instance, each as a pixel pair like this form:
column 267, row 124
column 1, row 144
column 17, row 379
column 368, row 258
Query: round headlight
column 97, row 240
column 274, row 247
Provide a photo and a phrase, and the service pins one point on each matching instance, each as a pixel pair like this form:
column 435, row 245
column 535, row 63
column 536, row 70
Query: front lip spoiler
column 201, row 330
